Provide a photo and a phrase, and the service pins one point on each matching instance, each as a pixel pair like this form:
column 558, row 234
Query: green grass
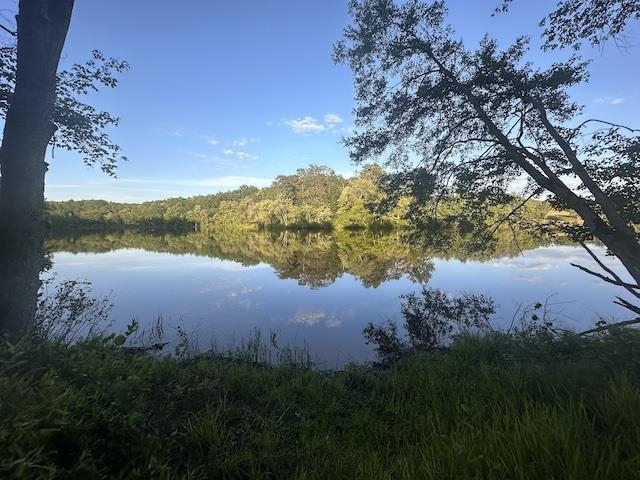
column 493, row 407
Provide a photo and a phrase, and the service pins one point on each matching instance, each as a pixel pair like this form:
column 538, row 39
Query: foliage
column 477, row 119
column 492, row 407
column 70, row 313
column 80, row 126
column 312, row 199
column 595, row 21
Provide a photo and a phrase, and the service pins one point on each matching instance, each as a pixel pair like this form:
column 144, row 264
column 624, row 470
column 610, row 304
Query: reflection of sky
column 224, row 300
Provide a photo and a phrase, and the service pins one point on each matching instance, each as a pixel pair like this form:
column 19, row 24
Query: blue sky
column 237, row 92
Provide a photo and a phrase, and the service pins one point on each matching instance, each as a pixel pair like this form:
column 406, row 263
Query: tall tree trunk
column 41, row 29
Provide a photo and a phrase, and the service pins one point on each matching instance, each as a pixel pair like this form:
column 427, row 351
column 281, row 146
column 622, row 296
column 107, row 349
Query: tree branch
column 612, row 325
column 628, row 286
column 520, row 205
column 10, row 32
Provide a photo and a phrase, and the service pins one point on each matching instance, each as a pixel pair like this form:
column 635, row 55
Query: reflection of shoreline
column 313, row 259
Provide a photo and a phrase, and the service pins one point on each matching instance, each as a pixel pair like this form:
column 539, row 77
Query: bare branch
column 623, row 303
column 611, row 325
column 10, row 32
column 537, row 191
column 609, row 271
column 611, row 124
column 627, row 286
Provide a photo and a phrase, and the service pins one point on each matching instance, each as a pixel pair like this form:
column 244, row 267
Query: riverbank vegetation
column 313, row 198
column 496, row 406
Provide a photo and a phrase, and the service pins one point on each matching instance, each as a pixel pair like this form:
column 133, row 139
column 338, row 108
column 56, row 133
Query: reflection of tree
column 314, row 259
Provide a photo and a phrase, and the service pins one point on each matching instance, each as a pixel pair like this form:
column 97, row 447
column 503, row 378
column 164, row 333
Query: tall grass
column 492, row 407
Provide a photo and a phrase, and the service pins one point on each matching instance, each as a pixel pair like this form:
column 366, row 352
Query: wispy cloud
column 305, row 125
column 142, row 189
column 230, row 181
column 609, row 100
column 246, row 156
column 308, row 125
column 239, row 155
column 210, row 139
column 199, row 155
column 210, row 159
column 332, row 118
column 243, row 141
column 176, row 133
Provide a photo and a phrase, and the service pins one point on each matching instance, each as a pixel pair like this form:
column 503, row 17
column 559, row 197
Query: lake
column 319, row 289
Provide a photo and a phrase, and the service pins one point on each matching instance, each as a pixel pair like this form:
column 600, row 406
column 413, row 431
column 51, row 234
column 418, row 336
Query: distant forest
column 314, row 198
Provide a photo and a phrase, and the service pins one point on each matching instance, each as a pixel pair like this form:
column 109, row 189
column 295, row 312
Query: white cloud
column 225, row 181
column 609, row 100
column 246, row 156
column 210, row 139
column 332, row 118
column 310, row 124
column 305, row 125
column 240, row 155
column 240, row 142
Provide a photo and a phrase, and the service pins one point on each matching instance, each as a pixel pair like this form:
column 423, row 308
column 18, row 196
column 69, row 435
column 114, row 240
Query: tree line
column 314, row 198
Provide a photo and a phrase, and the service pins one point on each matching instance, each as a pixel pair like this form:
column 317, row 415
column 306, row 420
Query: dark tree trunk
column 42, row 28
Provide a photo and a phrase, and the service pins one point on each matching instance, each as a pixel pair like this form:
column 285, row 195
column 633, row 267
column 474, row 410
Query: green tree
column 360, row 197
column 478, row 119
column 317, row 193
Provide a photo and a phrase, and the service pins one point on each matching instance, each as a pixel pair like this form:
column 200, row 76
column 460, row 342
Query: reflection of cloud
column 315, row 317
column 246, row 290
column 308, row 317
column 528, row 278
column 552, row 257
column 522, row 264
column 333, row 322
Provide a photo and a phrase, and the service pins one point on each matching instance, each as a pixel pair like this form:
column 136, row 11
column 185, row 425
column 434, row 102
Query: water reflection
column 319, row 288
column 313, row 259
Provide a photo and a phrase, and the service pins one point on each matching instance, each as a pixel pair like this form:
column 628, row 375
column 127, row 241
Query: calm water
column 318, row 289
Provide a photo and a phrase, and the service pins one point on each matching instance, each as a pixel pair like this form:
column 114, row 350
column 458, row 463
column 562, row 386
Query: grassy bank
column 489, row 408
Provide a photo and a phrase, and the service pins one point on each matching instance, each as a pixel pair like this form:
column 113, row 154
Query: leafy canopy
column 477, row 120
column 79, row 126
column 595, row 21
